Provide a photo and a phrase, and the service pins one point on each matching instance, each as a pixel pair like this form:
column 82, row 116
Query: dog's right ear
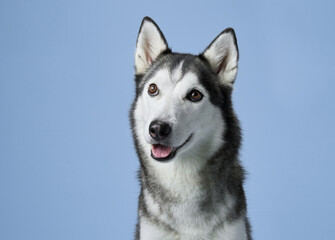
column 150, row 44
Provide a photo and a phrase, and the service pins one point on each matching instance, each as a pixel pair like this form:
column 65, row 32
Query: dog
column 187, row 138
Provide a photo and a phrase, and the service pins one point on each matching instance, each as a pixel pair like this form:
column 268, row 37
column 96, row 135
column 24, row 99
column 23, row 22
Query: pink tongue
column 160, row 151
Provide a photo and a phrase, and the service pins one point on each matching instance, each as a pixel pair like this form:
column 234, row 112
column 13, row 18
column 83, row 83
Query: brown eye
column 194, row 96
column 153, row 89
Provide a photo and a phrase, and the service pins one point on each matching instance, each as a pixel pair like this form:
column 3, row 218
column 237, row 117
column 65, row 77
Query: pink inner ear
column 148, row 57
column 223, row 64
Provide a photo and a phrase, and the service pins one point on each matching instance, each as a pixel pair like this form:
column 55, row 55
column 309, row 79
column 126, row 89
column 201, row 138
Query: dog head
column 179, row 97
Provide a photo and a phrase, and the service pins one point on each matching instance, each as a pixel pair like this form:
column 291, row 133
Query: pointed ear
column 150, row 44
column 222, row 55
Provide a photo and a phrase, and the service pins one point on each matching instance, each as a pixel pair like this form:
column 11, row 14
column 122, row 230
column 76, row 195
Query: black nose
column 159, row 130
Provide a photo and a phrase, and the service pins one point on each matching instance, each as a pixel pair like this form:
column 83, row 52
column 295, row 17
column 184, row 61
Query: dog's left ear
column 222, row 55
column 150, row 44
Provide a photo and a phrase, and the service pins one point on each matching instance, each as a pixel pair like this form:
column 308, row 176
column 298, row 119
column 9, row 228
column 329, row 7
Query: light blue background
column 67, row 162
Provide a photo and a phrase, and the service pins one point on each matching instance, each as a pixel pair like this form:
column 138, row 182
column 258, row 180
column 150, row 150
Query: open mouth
column 164, row 153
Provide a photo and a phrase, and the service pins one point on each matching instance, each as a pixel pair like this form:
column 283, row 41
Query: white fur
column 149, row 45
column 186, row 118
column 150, row 231
column 191, row 224
column 223, row 49
column 233, row 231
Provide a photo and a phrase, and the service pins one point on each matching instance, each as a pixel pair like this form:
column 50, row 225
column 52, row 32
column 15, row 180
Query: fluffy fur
column 198, row 194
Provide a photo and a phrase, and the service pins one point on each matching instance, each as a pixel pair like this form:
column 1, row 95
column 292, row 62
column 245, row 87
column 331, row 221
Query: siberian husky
column 187, row 138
